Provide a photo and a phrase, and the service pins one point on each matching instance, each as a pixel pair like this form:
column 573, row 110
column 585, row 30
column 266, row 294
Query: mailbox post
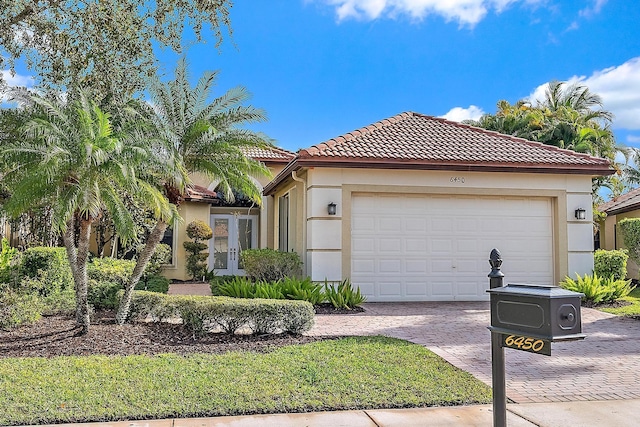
column 498, row 381
column 527, row 318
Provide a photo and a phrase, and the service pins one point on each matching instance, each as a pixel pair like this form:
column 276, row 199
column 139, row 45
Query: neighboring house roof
column 198, row 193
column 270, row 154
column 415, row 141
column 624, row 203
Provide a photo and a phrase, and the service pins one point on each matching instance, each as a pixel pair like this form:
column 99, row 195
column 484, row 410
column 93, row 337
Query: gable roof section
column 626, row 202
column 269, row 154
column 415, row 141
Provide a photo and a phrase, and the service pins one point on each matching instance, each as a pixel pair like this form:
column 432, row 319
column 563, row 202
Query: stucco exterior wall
column 328, row 237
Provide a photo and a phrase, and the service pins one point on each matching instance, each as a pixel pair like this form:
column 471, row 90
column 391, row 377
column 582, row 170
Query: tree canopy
column 105, row 46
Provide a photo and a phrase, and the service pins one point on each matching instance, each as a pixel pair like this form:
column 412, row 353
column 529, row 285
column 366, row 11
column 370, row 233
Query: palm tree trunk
column 143, row 259
column 80, row 278
column 77, row 257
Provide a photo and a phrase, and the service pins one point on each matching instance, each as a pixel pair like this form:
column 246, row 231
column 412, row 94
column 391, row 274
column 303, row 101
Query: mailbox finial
column 496, row 276
column 495, row 259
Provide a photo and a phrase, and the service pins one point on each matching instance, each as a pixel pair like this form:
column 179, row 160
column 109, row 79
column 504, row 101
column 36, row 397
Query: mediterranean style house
column 409, row 208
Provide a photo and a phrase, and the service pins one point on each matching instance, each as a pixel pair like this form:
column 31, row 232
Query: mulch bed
column 59, row 336
column 614, row 304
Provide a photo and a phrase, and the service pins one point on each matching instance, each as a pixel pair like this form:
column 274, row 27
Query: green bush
column 196, row 259
column 303, row 289
column 50, row 266
column 17, row 309
column 344, row 296
column 230, row 314
column 611, row 263
column 7, row 254
column 161, row 256
column 630, row 230
column 62, row 303
column 216, row 281
column 237, row 287
column 103, row 294
column 110, row 270
column 597, row 290
column 154, row 283
column 270, row 265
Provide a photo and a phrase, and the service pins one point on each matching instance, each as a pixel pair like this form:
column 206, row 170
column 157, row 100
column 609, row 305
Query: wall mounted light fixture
column 331, row 208
column 581, row 213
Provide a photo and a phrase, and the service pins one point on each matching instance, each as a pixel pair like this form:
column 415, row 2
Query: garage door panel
column 418, row 247
column 390, row 245
column 415, row 266
column 390, row 266
column 363, row 245
column 417, row 288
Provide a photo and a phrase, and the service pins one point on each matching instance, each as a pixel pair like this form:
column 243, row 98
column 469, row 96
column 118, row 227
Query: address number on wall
column 457, row 179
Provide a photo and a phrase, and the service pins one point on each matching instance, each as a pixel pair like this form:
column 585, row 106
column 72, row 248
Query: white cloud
column 458, row 114
column 465, row 12
column 619, row 87
column 8, row 80
column 16, row 80
column 633, row 138
column 588, row 12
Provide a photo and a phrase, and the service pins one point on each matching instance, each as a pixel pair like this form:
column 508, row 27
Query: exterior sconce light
column 581, row 213
column 331, row 208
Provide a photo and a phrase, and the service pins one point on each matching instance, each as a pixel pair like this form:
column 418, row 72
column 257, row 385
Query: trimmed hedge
column 110, row 270
column 611, row 263
column 49, row 266
column 269, row 265
column 200, row 313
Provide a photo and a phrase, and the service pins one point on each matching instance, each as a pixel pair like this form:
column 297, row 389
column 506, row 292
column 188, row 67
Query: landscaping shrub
column 161, row 256
column 110, row 270
column 216, row 281
column 630, row 230
column 155, row 283
column 304, row 290
column 598, row 290
column 62, row 302
column 270, row 265
column 103, row 294
column 50, row 266
column 17, row 309
column 7, row 254
column 230, row 314
column 237, row 287
column 344, row 296
column 611, row 263
column 196, row 259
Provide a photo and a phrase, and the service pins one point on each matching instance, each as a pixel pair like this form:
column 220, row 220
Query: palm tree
column 201, row 137
column 73, row 160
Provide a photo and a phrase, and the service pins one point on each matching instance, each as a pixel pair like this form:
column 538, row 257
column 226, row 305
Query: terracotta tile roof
column 413, row 137
column 273, row 154
column 197, row 193
column 623, row 203
column 414, row 141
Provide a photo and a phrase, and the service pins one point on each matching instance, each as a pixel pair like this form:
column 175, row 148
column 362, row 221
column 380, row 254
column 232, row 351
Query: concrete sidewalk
column 610, row 413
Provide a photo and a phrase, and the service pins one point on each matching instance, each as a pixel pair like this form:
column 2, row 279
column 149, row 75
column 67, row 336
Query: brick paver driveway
column 606, row 365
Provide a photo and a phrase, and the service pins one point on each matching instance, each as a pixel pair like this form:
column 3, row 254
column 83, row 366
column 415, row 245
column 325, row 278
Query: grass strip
column 627, row 310
column 349, row 373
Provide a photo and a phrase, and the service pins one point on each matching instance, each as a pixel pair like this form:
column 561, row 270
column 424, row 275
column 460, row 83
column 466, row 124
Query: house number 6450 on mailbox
column 532, row 345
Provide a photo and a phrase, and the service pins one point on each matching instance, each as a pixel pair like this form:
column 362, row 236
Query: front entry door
column 231, row 235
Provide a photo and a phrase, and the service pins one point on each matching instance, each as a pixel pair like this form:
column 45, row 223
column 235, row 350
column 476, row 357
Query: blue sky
column 321, row 68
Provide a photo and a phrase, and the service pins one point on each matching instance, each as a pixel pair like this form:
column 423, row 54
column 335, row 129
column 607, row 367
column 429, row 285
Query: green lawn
column 359, row 372
column 628, row 310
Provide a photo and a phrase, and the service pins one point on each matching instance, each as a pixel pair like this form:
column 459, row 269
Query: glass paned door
column 231, row 235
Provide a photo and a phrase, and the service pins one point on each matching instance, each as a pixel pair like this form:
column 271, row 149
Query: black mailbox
column 543, row 312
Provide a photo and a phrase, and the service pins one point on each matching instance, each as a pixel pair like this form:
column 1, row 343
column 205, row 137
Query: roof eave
column 307, row 162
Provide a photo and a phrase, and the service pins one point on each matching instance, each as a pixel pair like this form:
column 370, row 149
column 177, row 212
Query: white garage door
column 435, row 248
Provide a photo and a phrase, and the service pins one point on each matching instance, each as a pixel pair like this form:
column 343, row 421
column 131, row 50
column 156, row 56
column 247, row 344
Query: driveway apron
column 604, row 366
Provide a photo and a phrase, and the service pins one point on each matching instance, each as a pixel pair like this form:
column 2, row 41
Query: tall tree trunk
column 82, row 310
column 154, row 238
